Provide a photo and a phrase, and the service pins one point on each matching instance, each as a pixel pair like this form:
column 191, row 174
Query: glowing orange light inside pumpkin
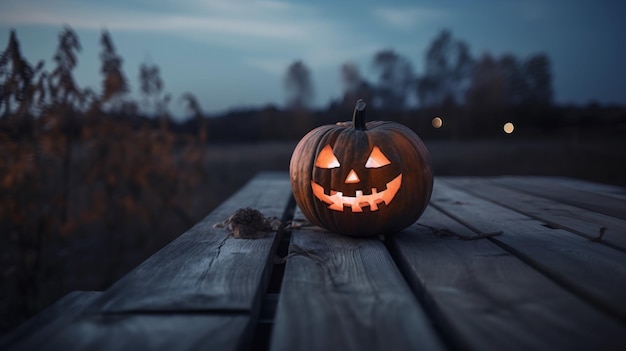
column 352, row 178
column 327, row 159
column 337, row 200
column 377, row 159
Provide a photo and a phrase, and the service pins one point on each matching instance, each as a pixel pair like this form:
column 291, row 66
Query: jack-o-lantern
column 361, row 179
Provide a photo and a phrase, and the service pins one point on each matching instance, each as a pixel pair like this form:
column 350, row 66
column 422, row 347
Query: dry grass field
column 597, row 159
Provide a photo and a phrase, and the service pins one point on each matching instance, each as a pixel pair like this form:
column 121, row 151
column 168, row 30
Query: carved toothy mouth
column 337, row 201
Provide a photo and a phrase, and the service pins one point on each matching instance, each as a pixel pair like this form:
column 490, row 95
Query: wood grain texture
column 532, row 287
column 484, row 298
column 573, row 184
column 47, row 323
column 341, row 293
column 555, row 214
column 591, row 270
column 593, row 201
column 206, row 268
column 146, row 332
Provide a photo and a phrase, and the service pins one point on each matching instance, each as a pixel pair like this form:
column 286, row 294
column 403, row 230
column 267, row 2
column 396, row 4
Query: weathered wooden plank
column 343, row 293
column 591, row 270
column 592, row 201
column 205, row 268
column 49, row 321
column 484, row 298
column 145, row 332
column 578, row 184
column 592, row 225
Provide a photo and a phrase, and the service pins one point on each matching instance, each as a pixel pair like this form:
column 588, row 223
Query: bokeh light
column 437, row 122
column 508, row 127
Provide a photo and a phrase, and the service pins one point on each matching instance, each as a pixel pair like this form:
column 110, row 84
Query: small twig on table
column 297, row 224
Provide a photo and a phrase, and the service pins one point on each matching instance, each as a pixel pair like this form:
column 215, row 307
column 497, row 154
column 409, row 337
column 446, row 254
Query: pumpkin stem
column 358, row 118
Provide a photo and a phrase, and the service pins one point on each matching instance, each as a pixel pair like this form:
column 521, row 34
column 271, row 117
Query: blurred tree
column 487, row 85
column 114, row 83
column 351, row 77
column 31, row 198
column 354, row 85
column 485, row 97
column 126, row 178
column 163, row 112
column 299, row 86
column 538, row 80
column 508, row 82
column 64, row 92
column 447, row 72
column 66, row 98
column 16, row 79
column 194, row 108
column 152, row 88
column 395, row 79
column 538, row 94
column 514, row 85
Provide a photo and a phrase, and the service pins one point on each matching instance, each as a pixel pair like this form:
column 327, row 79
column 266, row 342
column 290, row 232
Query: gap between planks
column 264, row 325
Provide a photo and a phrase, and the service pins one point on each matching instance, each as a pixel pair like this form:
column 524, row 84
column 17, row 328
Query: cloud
column 275, row 66
column 532, row 11
column 407, row 17
column 268, row 19
column 316, row 56
column 266, row 35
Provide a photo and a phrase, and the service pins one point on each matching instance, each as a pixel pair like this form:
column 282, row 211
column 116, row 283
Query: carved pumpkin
column 361, row 179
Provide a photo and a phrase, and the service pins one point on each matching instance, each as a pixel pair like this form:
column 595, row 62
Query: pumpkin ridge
column 367, row 213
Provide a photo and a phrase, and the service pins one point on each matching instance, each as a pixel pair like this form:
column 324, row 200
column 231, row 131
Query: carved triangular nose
column 352, row 177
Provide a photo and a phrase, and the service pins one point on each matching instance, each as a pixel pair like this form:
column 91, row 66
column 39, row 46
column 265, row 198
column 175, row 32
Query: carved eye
column 327, row 159
column 377, row 159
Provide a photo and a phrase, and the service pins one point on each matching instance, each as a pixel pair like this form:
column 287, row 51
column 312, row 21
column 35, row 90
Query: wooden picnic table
column 495, row 263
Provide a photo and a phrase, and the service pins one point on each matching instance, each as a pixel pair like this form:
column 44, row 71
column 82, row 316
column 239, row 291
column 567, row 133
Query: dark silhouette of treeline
column 473, row 96
column 273, row 124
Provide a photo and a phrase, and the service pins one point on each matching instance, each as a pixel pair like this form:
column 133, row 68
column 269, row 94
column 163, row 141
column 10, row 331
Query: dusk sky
column 233, row 53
